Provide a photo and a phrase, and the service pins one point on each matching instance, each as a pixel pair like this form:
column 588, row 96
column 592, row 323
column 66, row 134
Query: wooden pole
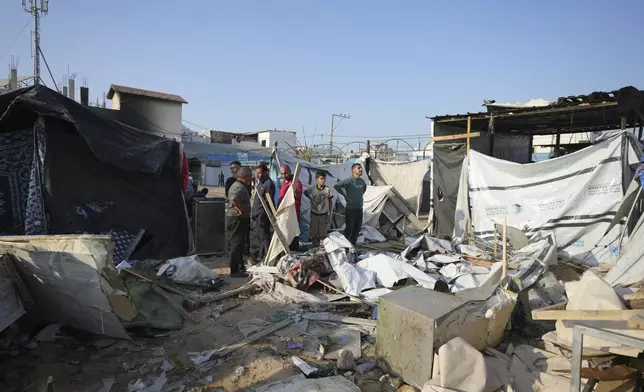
column 469, row 231
column 494, row 250
column 505, row 247
column 271, row 218
column 469, row 129
column 269, row 199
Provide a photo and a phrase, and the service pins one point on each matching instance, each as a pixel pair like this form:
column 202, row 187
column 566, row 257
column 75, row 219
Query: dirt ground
column 76, row 364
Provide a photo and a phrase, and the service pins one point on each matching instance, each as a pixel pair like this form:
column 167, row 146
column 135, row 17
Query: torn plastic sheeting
column 187, row 269
column 427, row 243
column 374, row 294
column 336, row 241
column 284, row 293
column 11, row 308
column 389, row 271
column 445, row 259
column 65, row 276
column 368, row 233
column 354, row 278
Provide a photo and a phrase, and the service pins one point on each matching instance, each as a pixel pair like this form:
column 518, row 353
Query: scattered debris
column 239, row 370
column 307, row 369
column 346, row 361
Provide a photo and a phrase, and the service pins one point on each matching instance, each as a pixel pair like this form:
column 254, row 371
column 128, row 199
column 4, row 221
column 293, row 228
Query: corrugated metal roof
column 144, row 93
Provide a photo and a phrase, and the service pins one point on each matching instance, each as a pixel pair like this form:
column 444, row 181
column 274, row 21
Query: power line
column 15, row 40
column 196, row 125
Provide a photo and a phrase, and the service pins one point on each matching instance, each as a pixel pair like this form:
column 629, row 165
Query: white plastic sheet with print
column 575, row 195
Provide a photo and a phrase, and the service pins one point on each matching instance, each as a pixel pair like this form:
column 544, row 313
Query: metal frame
column 578, row 333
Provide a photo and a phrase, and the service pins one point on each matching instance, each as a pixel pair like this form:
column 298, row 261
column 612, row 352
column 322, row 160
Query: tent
column 66, row 169
column 575, row 196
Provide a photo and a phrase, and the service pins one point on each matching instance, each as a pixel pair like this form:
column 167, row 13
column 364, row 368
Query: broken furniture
column 413, row 322
column 577, row 344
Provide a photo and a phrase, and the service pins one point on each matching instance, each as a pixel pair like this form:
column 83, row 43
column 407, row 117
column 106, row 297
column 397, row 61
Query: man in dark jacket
column 260, row 235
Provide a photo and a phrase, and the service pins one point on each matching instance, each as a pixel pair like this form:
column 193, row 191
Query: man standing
column 221, row 178
column 287, row 181
column 321, row 208
column 260, row 236
column 234, row 166
column 353, row 189
column 238, row 221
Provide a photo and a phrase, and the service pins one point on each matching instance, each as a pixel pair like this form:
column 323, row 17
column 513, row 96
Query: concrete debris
column 346, row 361
column 239, row 370
column 303, row 366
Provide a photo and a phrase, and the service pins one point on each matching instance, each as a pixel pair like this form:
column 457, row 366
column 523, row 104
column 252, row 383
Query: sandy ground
column 77, row 365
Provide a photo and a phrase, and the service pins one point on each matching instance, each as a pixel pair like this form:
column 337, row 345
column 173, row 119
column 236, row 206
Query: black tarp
column 99, row 175
column 447, row 163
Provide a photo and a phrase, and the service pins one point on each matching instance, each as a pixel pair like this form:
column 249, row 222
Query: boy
column 321, row 208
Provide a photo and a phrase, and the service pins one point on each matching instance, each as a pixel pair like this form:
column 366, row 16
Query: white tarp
column 389, row 271
column 354, row 279
column 374, row 201
column 629, row 269
column 574, row 196
column 65, row 275
column 286, row 218
column 406, row 177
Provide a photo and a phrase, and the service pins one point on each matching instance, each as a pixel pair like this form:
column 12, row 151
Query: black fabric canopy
column 89, row 174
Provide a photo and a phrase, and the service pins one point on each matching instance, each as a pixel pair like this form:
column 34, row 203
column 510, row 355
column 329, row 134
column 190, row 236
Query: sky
column 290, row 64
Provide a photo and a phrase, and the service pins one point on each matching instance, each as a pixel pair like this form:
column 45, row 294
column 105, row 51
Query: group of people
column 247, row 221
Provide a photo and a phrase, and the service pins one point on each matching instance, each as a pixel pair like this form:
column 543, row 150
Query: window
column 263, row 143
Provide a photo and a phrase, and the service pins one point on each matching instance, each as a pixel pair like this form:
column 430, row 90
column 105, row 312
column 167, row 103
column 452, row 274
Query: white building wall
column 159, row 116
column 284, row 139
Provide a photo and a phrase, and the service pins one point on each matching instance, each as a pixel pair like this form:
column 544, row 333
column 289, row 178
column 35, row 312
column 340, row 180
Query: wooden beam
column 277, row 231
column 611, row 315
column 469, row 130
column 527, row 113
column 455, row 137
column 269, row 200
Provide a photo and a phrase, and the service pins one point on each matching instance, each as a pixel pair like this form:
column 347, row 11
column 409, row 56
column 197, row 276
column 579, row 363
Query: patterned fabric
column 124, row 243
column 16, row 158
column 35, row 221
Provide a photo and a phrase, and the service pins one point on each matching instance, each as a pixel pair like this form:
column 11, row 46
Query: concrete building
column 148, row 110
column 284, row 139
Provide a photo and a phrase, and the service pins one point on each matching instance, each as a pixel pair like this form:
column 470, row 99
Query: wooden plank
column 163, row 286
column 277, row 231
column 455, row 137
column 469, row 131
column 637, row 321
column 505, row 247
column 296, row 177
column 611, row 315
column 225, row 351
column 269, row 200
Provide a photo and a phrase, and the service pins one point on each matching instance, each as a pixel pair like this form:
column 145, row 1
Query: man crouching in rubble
column 238, row 221
column 321, row 208
column 353, row 189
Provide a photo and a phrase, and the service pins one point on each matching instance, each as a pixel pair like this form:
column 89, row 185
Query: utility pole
column 341, row 117
column 35, row 12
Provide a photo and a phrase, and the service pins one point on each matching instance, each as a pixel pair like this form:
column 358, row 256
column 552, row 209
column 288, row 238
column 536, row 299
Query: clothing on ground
column 229, row 182
column 353, row 224
column 261, row 188
column 298, row 195
column 319, row 199
column 237, row 231
column 260, row 236
column 353, row 189
column 318, row 228
column 240, row 191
